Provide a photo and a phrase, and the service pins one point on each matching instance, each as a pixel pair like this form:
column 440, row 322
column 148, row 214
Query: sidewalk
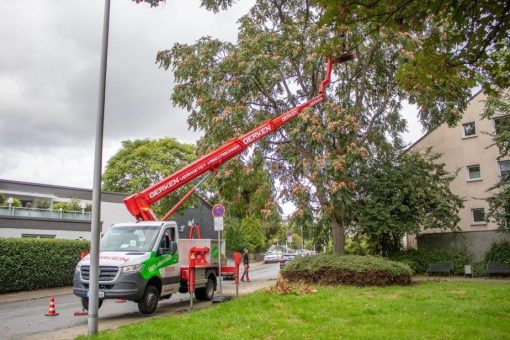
column 35, row 294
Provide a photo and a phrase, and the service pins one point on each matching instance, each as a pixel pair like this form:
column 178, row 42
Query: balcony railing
column 45, row 213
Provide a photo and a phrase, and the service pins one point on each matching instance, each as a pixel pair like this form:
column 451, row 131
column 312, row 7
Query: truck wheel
column 206, row 293
column 149, row 301
column 85, row 303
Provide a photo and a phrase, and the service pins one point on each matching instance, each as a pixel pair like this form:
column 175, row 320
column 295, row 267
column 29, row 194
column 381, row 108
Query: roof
column 55, row 191
column 430, row 131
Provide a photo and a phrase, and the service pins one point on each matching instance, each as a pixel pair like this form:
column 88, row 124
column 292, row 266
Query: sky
column 49, row 79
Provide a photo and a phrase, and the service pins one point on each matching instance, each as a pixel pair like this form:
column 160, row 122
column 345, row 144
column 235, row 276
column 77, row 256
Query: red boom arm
column 139, row 204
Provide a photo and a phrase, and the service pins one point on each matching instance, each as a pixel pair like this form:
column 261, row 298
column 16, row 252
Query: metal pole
column 96, row 188
column 219, row 262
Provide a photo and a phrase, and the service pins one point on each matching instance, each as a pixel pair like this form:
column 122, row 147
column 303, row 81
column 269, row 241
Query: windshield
column 131, row 238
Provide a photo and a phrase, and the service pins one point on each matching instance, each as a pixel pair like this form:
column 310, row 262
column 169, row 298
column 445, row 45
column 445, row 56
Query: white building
column 30, row 221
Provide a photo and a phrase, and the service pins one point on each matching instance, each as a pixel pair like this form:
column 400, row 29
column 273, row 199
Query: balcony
column 45, row 213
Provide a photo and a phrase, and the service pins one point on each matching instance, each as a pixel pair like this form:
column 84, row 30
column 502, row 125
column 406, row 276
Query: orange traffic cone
column 51, row 311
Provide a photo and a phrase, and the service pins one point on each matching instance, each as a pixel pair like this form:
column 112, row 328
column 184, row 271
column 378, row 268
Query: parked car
column 288, row 257
column 272, row 257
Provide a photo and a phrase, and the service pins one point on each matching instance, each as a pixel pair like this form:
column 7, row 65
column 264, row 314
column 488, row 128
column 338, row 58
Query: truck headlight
column 132, row 268
column 78, row 267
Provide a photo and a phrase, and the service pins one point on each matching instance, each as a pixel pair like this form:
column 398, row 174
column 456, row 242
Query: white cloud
column 49, row 69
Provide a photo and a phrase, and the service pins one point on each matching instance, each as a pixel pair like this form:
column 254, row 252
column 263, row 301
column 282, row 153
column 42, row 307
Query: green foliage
column 246, row 190
column 446, row 47
column 244, row 234
column 353, row 263
column 43, row 203
column 357, row 245
column 498, row 253
column 347, row 269
column 211, row 5
column 27, row 264
column 140, row 163
column 17, row 203
column 498, row 105
column 60, row 205
column 2, row 199
column 405, row 194
column 420, row 259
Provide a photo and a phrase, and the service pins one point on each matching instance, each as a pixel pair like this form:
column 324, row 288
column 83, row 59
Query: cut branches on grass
column 332, row 269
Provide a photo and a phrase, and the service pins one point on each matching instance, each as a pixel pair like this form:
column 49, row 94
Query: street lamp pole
column 96, row 188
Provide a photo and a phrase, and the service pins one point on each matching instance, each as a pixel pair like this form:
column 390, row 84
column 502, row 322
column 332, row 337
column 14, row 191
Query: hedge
column 420, row 259
column 27, row 264
column 347, row 269
column 498, row 253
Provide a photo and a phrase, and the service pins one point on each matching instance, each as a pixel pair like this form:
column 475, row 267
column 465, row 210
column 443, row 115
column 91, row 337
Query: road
column 26, row 319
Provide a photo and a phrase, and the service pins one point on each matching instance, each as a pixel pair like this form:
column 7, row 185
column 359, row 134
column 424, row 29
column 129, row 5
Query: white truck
column 144, row 262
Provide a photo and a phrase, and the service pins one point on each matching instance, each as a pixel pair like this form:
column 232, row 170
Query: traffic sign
column 218, row 223
column 218, row 210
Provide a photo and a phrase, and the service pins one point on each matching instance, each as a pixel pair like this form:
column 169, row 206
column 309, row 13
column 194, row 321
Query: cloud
column 49, row 69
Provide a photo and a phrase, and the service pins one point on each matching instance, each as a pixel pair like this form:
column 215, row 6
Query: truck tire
column 206, row 293
column 149, row 301
column 85, row 303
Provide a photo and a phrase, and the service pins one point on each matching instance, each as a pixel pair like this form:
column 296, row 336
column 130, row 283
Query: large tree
column 277, row 63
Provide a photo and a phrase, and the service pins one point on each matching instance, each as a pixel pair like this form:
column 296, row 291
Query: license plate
column 100, row 294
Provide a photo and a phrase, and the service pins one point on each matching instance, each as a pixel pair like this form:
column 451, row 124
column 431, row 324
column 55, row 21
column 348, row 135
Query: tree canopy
column 140, row 163
column 403, row 195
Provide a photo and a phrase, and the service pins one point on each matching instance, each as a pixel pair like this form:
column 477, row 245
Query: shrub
column 27, row 264
column 347, row 269
column 420, row 259
column 498, row 253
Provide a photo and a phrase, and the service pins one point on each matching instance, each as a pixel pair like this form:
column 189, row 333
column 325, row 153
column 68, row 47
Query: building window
column 501, row 124
column 504, row 169
column 478, row 216
column 37, row 236
column 474, row 172
column 469, row 130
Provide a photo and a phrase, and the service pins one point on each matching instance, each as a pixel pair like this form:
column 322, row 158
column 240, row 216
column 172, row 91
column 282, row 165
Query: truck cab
column 142, row 262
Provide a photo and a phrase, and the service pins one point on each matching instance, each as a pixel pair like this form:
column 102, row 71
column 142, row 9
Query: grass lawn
column 438, row 310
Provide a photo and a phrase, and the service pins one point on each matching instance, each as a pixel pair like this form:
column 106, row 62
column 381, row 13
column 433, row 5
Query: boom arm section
column 139, row 204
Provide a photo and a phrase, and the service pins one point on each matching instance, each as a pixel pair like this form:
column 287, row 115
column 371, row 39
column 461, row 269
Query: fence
column 45, row 213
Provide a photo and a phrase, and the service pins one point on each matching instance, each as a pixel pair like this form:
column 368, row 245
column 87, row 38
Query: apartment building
column 30, row 220
column 468, row 149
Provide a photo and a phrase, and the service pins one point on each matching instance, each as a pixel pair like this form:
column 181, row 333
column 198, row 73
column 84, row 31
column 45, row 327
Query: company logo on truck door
column 154, row 264
column 257, row 134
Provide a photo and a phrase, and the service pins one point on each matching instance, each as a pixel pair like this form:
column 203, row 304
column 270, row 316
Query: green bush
column 347, row 269
column 27, row 264
column 498, row 253
column 420, row 259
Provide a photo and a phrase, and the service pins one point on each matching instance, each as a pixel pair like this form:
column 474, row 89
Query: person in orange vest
column 246, row 263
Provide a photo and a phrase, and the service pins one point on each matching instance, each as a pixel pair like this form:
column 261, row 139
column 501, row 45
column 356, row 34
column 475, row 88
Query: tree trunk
column 338, row 233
